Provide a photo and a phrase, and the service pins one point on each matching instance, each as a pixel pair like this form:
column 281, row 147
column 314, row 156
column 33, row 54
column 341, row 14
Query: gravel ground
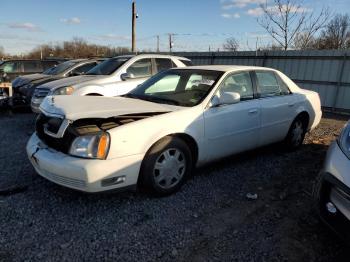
column 210, row 219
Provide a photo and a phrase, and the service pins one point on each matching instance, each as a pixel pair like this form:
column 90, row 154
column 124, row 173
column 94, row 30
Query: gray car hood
column 78, row 107
column 68, row 81
column 23, row 80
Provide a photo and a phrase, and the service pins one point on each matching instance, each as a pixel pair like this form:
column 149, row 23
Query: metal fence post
column 212, row 58
column 340, row 77
column 264, row 59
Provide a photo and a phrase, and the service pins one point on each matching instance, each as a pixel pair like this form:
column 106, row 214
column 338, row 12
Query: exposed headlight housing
column 344, row 140
column 66, row 90
column 91, row 146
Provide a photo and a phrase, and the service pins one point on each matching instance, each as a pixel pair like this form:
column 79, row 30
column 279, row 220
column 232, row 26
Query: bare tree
column 231, row 44
column 336, row 35
column 303, row 41
column 286, row 19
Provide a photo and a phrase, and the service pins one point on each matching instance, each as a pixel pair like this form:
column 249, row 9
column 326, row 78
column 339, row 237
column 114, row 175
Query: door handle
column 253, row 111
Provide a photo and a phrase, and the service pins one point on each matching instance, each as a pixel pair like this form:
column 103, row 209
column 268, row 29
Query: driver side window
column 141, row 68
column 240, row 83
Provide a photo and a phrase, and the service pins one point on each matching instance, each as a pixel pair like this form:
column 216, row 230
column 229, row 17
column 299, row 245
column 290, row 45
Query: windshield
column 108, row 67
column 183, row 87
column 60, row 68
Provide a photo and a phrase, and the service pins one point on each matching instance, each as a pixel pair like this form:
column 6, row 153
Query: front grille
column 68, row 181
column 41, row 92
column 53, row 124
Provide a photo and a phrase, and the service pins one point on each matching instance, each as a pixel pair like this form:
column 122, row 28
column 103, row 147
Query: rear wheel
column 296, row 134
column 166, row 166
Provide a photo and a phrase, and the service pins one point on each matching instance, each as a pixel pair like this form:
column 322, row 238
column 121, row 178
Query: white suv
column 113, row 77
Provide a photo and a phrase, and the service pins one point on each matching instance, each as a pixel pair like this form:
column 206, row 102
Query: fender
column 91, row 89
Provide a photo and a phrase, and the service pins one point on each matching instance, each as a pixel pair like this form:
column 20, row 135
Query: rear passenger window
column 268, row 84
column 240, row 83
column 32, row 67
column 163, row 64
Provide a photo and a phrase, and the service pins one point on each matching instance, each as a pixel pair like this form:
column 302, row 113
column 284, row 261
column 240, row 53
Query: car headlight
column 91, row 146
column 344, row 140
column 66, row 90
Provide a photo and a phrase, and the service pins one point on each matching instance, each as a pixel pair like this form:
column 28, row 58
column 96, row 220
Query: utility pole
column 170, row 43
column 134, row 16
column 157, row 43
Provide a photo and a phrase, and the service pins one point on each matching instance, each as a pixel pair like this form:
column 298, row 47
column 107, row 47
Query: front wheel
column 296, row 134
column 166, row 166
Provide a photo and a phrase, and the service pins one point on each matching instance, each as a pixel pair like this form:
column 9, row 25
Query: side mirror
column 225, row 98
column 126, row 76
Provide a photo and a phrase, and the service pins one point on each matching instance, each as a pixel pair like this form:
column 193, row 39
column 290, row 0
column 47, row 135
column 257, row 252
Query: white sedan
column 177, row 120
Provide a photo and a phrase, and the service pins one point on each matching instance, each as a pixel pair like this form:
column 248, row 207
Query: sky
column 197, row 25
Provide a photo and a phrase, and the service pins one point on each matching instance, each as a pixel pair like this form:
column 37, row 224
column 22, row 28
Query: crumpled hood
column 23, row 80
column 69, row 81
column 78, row 107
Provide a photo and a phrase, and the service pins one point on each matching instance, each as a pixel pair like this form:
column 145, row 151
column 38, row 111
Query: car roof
column 80, row 60
column 226, row 68
column 154, row 56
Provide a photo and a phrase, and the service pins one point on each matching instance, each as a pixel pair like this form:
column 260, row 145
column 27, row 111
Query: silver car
column 332, row 190
column 113, row 77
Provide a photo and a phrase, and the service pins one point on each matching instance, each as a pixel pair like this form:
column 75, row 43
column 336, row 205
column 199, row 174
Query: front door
column 138, row 72
column 233, row 128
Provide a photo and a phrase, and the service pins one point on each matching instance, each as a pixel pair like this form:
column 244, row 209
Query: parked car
column 10, row 69
column 332, row 190
column 113, row 77
column 24, row 86
column 18, row 67
column 179, row 119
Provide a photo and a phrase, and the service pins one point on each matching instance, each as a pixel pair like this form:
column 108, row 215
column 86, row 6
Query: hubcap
column 169, row 168
column 297, row 133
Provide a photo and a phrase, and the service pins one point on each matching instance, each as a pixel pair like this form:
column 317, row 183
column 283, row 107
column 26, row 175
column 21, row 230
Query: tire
column 296, row 134
column 166, row 166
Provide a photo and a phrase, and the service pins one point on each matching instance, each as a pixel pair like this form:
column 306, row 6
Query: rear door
column 277, row 106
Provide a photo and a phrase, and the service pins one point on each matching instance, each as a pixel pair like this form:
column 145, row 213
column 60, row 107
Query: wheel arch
column 305, row 116
column 188, row 139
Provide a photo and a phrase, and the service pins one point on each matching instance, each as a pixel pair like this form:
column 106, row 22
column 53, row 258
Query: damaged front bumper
column 88, row 175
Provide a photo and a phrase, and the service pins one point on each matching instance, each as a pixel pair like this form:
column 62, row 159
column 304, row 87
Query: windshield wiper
column 162, row 99
column 131, row 96
column 152, row 99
